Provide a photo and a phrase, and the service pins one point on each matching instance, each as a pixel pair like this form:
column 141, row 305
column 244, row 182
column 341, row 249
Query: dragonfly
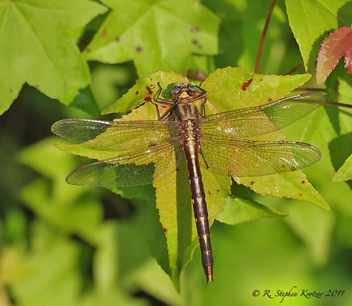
column 148, row 151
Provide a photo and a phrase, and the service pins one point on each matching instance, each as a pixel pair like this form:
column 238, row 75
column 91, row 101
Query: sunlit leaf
column 149, row 32
column 225, row 87
column 42, row 53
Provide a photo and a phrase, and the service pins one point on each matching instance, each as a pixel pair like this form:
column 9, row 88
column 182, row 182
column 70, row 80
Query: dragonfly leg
column 160, row 100
column 202, row 95
column 157, row 109
column 204, row 115
column 166, row 115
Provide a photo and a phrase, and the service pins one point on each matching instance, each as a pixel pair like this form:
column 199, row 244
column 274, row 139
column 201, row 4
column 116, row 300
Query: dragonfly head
column 184, row 91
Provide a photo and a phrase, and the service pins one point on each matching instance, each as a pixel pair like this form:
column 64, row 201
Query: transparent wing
column 263, row 119
column 80, row 130
column 116, row 135
column 230, row 156
column 138, row 167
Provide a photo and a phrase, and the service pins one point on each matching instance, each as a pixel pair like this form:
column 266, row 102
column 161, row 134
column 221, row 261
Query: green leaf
column 339, row 87
column 61, row 204
column 144, row 91
column 176, row 216
column 109, row 82
column 35, row 156
column 311, row 20
column 81, row 217
column 48, row 248
column 152, row 280
column 315, row 228
column 144, row 198
column 345, row 172
column 149, row 32
column 329, row 128
column 225, row 92
column 85, row 101
column 36, row 48
column 13, row 267
column 240, row 208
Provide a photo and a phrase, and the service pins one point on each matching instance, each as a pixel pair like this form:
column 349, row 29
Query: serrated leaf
column 144, row 91
column 345, row 172
column 176, row 216
column 149, row 32
column 310, row 20
column 336, row 45
column 36, row 48
column 226, row 91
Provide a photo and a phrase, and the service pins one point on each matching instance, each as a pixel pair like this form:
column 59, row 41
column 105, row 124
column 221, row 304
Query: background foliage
column 68, row 245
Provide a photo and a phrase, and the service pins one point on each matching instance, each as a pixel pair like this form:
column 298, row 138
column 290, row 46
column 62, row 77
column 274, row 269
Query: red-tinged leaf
column 336, row 45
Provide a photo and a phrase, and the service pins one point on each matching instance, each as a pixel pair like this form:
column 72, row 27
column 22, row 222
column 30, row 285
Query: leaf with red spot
column 149, row 33
column 37, row 48
column 336, row 45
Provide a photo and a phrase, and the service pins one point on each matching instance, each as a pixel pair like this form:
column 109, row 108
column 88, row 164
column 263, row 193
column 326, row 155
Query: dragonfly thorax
column 187, row 111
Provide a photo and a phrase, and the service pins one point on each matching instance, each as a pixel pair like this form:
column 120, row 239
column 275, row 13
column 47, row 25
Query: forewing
column 116, row 135
column 263, row 119
column 80, row 130
column 138, row 167
column 241, row 158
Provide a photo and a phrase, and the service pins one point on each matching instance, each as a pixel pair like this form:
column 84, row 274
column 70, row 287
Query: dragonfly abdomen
column 199, row 206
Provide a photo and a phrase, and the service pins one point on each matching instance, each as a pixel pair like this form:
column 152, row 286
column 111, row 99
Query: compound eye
column 174, row 92
column 193, row 88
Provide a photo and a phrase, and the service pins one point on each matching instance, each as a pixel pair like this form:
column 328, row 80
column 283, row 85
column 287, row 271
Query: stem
column 310, row 89
column 257, row 63
column 338, row 104
column 294, row 68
